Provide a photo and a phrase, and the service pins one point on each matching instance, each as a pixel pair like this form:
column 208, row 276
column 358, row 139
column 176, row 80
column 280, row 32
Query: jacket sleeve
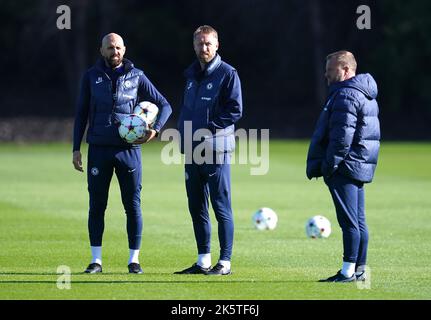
column 81, row 114
column 148, row 92
column 342, row 126
column 231, row 104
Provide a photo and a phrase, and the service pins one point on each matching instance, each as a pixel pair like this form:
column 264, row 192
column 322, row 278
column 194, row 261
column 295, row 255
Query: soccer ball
column 132, row 127
column 148, row 111
column 265, row 219
column 318, row 227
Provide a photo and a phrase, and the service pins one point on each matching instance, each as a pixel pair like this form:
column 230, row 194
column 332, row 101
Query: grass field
column 43, row 224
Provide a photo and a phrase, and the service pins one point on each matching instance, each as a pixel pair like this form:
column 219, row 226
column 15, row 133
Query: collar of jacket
column 363, row 82
column 358, row 82
column 128, row 65
column 195, row 68
column 336, row 86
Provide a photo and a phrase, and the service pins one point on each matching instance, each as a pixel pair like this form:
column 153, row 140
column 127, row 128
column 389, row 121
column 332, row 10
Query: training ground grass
column 43, row 212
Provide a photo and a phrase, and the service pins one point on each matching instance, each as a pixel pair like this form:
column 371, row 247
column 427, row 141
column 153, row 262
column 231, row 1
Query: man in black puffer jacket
column 344, row 150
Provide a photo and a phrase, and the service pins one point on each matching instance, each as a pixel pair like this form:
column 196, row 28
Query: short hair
column 344, row 58
column 205, row 29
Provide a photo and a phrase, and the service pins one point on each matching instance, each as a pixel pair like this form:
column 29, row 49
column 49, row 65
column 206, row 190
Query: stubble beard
column 114, row 63
column 205, row 58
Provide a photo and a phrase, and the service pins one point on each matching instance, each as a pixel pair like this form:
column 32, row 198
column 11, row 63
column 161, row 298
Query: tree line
column 278, row 47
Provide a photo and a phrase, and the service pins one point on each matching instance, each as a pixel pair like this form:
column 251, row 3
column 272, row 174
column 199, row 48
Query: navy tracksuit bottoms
column 213, row 181
column 349, row 200
column 102, row 161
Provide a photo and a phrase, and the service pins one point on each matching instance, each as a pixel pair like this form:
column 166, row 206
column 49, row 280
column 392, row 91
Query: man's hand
column 77, row 162
column 148, row 137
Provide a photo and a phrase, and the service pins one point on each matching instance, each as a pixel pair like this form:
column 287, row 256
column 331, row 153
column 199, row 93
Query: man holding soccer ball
column 109, row 91
column 344, row 150
column 212, row 104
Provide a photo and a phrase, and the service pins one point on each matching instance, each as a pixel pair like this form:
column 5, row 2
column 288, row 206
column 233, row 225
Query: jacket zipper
column 199, row 84
column 113, row 95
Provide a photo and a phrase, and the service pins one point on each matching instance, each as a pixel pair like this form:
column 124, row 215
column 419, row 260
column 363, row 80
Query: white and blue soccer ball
column 318, row 227
column 148, row 111
column 265, row 219
column 132, row 127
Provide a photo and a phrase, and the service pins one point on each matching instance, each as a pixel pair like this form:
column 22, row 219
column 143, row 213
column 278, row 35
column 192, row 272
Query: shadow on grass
column 99, row 278
column 59, row 274
column 150, row 281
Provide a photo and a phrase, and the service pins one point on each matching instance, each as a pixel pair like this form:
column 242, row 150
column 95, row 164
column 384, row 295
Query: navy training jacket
column 347, row 134
column 103, row 109
column 212, row 100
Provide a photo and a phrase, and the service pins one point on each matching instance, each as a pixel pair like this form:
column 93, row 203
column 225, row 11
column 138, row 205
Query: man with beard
column 109, row 91
column 344, row 150
column 212, row 103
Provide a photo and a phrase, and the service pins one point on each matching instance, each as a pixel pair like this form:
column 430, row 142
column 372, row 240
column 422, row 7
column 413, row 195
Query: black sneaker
column 339, row 277
column 194, row 269
column 93, row 268
column 135, row 268
column 219, row 270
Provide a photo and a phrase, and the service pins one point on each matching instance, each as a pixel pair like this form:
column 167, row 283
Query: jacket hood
column 362, row 82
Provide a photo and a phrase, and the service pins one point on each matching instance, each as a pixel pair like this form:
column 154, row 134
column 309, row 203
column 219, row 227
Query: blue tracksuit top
column 104, row 109
column 212, row 100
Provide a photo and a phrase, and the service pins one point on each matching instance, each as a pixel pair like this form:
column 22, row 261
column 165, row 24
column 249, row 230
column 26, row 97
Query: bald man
column 109, row 91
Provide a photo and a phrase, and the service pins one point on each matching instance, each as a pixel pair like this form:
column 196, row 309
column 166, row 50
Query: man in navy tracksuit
column 344, row 150
column 109, row 91
column 212, row 103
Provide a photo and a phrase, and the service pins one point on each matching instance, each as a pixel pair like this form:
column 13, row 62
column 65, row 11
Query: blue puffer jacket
column 347, row 134
column 104, row 109
column 212, row 100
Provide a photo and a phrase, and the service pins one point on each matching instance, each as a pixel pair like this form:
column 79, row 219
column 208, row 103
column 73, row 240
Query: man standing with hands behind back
column 344, row 150
column 109, row 91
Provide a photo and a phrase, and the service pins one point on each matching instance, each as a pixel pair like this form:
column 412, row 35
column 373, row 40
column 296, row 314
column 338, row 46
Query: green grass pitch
column 43, row 225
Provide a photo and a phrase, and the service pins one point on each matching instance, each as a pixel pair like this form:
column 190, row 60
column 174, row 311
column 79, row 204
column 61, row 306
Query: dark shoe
column 135, row 268
column 339, row 277
column 194, row 269
column 219, row 270
column 93, row 268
